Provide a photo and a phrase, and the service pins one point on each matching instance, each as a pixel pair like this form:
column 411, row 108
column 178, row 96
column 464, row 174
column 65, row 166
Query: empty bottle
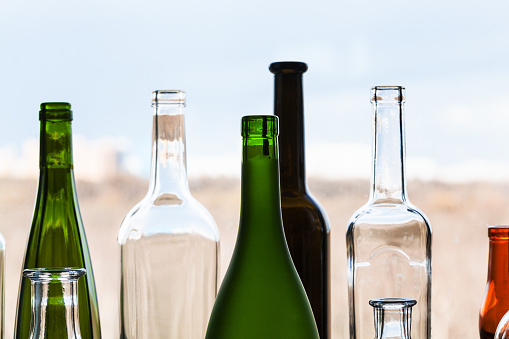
column 169, row 242
column 388, row 239
column 57, row 237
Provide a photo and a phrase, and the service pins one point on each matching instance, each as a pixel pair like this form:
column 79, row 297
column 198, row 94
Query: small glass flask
column 393, row 317
column 502, row 331
column 54, row 302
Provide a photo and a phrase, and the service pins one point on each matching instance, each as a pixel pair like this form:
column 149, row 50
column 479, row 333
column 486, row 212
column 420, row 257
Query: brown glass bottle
column 496, row 297
column 305, row 223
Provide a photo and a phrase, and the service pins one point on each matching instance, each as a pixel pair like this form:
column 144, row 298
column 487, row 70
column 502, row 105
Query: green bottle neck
column 289, row 107
column 56, row 145
column 260, row 216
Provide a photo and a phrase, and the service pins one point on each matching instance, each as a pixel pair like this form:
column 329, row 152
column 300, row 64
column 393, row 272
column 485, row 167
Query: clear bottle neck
column 169, row 171
column 393, row 317
column 54, row 303
column 388, row 181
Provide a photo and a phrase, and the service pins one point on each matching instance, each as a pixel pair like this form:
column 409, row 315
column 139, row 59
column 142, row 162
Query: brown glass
column 496, row 297
column 305, row 223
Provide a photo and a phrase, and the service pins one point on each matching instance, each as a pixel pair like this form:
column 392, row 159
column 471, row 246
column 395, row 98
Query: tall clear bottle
column 261, row 295
column 495, row 302
column 57, row 237
column 169, row 242
column 388, row 239
column 54, row 303
column 305, row 223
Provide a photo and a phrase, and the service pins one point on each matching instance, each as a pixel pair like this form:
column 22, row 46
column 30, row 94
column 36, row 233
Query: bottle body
column 305, row 223
column 57, row 237
column 54, row 302
column 261, row 295
column 169, row 243
column 2, row 286
column 388, row 239
column 495, row 302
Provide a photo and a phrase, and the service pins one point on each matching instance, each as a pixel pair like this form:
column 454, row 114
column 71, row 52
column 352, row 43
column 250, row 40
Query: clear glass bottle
column 305, row 222
column 502, row 331
column 169, row 242
column 495, row 302
column 388, row 237
column 393, row 317
column 54, row 302
column 2, row 286
column 261, row 295
column 57, row 236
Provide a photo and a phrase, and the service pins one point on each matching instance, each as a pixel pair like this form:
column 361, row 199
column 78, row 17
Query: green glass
column 261, row 295
column 57, row 237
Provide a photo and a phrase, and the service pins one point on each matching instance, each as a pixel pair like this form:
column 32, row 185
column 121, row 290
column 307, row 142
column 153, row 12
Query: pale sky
column 106, row 57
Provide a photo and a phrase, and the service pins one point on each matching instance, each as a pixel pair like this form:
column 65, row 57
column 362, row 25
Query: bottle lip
column 55, row 111
column 54, row 274
column 288, row 67
column 388, row 94
column 168, row 96
column 259, row 126
column 498, row 232
column 392, row 303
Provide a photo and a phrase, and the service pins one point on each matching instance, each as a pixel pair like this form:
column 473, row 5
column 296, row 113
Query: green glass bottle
column 261, row 295
column 57, row 237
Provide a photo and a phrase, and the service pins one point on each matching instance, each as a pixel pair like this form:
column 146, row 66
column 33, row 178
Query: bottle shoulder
column 303, row 211
column 382, row 214
column 168, row 215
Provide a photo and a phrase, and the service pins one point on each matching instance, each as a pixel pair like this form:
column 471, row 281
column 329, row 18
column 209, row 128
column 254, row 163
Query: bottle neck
column 388, row 181
column 56, row 145
column 498, row 266
column 289, row 107
column 55, row 309
column 168, row 173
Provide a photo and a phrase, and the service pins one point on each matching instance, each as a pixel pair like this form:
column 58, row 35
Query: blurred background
column 106, row 57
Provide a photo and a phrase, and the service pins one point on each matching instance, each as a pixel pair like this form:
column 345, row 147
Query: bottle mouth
column 388, row 94
column 288, row 67
column 54, row 274
column 392, row 303
column 55, row 111
column 259, row 126
column 498, row 232
column 172, row 97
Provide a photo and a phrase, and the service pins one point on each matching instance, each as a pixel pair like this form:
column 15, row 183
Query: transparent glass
column 393, row 317
column 495, row 302
column 169, row 242
column 502, row 331
column 2, row 286
column 388, row 239
column 54, row 302
column 261, row 295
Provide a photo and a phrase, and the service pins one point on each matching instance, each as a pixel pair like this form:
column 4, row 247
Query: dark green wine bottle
column 57, row 237
column 305, row 223
column 261, row 295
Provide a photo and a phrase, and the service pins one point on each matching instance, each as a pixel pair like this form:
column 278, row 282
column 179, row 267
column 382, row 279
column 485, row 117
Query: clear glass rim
column 392, row 303
column 54, row 274
column 168, row 96
column 388, row 94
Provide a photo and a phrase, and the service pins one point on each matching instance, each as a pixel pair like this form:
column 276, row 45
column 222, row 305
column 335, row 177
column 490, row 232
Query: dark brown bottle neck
column 289, row 107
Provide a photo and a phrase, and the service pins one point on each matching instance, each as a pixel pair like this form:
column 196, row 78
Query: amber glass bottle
column 496, row 298
column 305, row 223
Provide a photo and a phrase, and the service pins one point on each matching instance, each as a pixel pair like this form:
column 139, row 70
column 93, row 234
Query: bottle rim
column 392, row 303
column 500, row 232
column 55, row 111
column 259, row 126
column 168, row 97
column 288, row 67
column 388, row 94
column 54, row 274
